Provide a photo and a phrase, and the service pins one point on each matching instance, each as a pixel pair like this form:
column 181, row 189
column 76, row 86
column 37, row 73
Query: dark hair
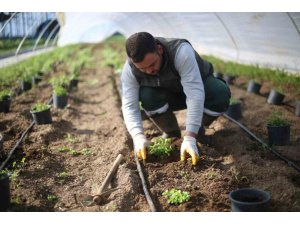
column 139, row 44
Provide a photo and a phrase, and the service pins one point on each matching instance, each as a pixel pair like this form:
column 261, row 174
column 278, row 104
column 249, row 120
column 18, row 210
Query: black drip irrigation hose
column 264, row 145
column 148, row 197
column 19, row 141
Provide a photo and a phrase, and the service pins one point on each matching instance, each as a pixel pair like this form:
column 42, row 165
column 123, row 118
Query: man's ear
column 160, row 49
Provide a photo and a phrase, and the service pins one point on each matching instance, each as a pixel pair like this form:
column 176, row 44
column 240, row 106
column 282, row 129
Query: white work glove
column 189, row 146
column 140, row 143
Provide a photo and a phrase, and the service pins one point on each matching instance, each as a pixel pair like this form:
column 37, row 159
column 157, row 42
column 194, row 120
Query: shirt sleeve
column 130, row 101
column 187, row 67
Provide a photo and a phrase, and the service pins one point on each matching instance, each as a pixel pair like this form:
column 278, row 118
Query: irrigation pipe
column 16, row 145
column 148, row 197
column 264, row 145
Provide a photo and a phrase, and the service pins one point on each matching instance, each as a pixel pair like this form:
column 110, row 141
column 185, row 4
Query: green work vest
column 168, row 77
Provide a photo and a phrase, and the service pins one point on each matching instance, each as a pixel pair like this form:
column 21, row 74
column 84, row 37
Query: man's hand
column 189, row 146
column 140, row 145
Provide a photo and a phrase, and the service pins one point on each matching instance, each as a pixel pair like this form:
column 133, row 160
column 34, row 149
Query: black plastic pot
column 275, row 98
column 235, row 111
column 249, row 200
column 43, row 117
column 4, row 192
column 60, row 102
column 297, row 109
column 5, row 104
column 218, row 75
column 73, row 83
column 25, row 85
column 278, row 135
column 253, row 87
column 229, row 78
column 36, row 80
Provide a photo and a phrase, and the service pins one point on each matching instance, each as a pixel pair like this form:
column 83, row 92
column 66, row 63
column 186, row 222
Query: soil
column 92, row 126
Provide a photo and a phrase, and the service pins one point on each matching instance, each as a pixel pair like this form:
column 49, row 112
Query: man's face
column 151, row 63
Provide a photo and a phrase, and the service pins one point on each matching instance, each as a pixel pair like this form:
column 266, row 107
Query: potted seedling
column 234, row 110
column 176, row 196
column 36, row 79
column 41, row 113
column 60, row 97
column 278, row 129
column 61, row 80
column 249, row 200
column 297, row 109
column 253, row 87
column 73, row 80
column 276, row 97
column 161, row 147
column 26, row 82
column 4, row 190
column 4, row 101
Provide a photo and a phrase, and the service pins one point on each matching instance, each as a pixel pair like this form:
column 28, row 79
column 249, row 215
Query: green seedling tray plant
column 60, row 91
column 276, row 119
column 39, row 107
column 161, row 147
column 176, row 196
column 62, row 81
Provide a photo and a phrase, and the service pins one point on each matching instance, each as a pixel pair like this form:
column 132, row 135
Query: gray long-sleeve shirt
column 186, row 65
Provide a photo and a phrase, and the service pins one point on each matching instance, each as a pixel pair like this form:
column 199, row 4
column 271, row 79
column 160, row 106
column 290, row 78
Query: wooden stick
column 108, row 178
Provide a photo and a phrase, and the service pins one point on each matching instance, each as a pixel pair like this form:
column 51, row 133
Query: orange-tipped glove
column 189, row 146
column 140, row 143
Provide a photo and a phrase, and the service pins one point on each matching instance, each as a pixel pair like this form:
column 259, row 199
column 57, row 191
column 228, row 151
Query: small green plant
column 276, row 119
column 176, row 196
column 4, row 94
column 233, row 101
column 73, row 152
column 63, row 175
column 70, row 138
column 64, row 149
column 60, row 91
column 39, row 107
column 52, row 198
column 62, row 81
column 161, row 146
column 86, row 151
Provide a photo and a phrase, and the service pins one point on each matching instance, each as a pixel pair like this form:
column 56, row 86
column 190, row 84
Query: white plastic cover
column 267, row 39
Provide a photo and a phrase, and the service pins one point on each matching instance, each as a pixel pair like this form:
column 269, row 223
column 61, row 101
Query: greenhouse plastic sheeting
column 266, row 39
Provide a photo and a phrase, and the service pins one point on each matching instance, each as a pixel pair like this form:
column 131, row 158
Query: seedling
column 176, row 196
column 63, row 175
column 70, row 138
column 62, row 81
column 86, row 151
column 276, row 119
column 64, row 149
column 60, row 91
column 161, row 146
column 73, row 152
column 52, row 198
column 4, row 94
column 39, row 107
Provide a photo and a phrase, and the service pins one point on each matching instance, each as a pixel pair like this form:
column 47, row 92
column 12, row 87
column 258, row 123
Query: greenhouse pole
column 42, row 33
column 2, row 28
column 230, row 35
column 51, row 34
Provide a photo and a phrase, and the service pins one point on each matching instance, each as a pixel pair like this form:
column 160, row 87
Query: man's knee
column 217, row 95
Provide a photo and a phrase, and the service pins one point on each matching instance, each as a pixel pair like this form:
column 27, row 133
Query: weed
column 176, row 196
column 185, row 174
column 64, row 149
column 86, row 151
column 73, row 152
column 161, row 146
column 70, row 138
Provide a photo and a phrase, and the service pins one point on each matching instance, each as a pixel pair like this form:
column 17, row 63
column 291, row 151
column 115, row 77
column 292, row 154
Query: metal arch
column 293, row 22
column 55, row 39
column 24, row 38
column 2, row 28
column 41, row 34
column 51, row 34
column 230, row 35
